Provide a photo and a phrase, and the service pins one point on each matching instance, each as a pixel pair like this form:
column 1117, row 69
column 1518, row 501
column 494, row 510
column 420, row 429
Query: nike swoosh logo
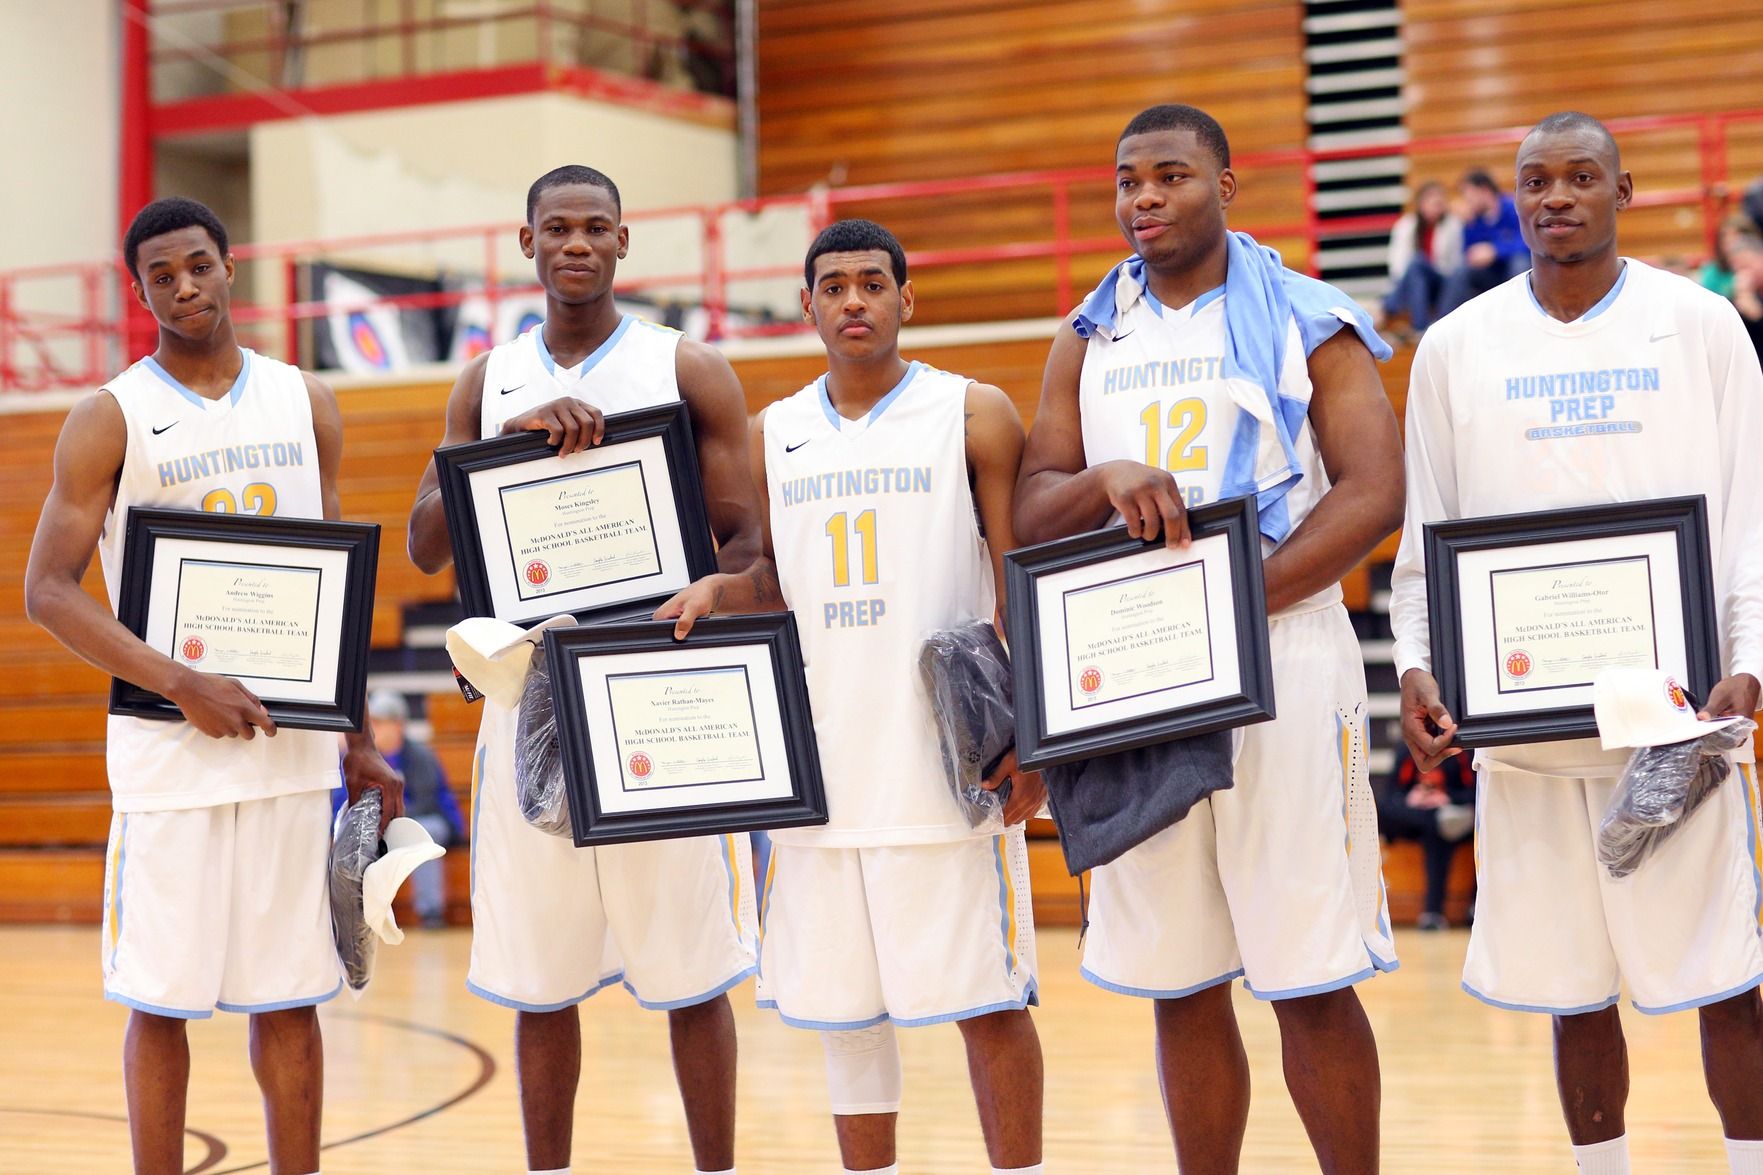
column 1668, row 334
column 173, row 424
column 797, row 445
column 1117, row 338
column 515, row 388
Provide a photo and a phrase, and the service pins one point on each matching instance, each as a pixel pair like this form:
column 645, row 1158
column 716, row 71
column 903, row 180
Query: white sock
column 1745, row 1156
column 1037, row 1169
column 890, row 1169
column 1603, row 1158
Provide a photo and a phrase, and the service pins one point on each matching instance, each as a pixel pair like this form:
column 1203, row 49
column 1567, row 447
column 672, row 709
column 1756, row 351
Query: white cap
column 1639, row 707
column 408, row 844
column 494, row 655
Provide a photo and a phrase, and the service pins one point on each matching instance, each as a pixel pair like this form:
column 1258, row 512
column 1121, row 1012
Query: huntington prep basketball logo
column 1676, row 694
column 1518, row 663
column 640, row 766
column 1090, row 680
column 538, row 573
column 194, row 649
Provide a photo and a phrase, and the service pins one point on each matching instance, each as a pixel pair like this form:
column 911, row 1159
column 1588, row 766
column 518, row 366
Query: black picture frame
column 1235, row 519
column 1685, row 518
column 147, row 527
column 776, row 633
column 455, row 465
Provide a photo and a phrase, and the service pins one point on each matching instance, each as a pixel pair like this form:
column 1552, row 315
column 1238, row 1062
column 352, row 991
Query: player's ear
column 228, row 264
column 1227, row 187
column 140, row 295
column 1624, row 191
column 624, row 241
column 907, row 298
column 526, row 240
column 807, row 305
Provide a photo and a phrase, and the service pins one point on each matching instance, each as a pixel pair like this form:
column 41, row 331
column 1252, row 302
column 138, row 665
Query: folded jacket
column 966, row 672
column 1107, row 805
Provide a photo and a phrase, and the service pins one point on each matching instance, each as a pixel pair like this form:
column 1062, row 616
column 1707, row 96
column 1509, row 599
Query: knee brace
column 863, row 1069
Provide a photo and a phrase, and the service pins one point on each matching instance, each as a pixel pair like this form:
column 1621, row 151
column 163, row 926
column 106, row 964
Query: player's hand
column 1427, row 726
column 1028, row 791
column 567, row 423
column 692, row 601
column 365, row 770
column 1148, row 501
column 1730, row 697
column 220, row 707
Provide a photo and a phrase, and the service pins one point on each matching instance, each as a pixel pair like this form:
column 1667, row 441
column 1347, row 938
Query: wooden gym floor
column 420, row 1079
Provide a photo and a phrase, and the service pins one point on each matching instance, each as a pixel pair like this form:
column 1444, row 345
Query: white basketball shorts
column 552, row 924
column 1279, row 879
column 916, row 934
column 1555, row 933
column 225, row 907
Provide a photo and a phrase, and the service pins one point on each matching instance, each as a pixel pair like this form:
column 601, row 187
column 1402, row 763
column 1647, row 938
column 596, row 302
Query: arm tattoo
column 765, row 586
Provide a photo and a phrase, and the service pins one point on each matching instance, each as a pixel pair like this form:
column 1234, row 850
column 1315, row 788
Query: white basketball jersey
column 877, row 547
column 252, row 451
column 633, row 368
column 1156, row 393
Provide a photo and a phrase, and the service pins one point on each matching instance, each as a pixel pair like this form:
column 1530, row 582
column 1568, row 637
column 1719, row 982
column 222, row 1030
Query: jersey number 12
column 1187, row 419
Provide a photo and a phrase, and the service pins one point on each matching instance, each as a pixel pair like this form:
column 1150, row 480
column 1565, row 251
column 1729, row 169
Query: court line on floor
column 486, row 1073
column 216, row 1148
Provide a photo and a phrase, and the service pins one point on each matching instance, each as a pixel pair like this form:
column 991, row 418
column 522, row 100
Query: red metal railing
column 63, row 326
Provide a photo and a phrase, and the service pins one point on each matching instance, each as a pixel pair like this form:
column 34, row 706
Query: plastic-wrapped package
column 538, row 756
column 355, row 844
column 1661, row 787
column 966, row 672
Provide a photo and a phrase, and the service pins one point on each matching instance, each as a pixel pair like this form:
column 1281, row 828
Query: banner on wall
column 360, row 336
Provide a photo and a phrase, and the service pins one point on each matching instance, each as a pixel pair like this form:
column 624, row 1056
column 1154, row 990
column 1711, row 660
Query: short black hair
column 1567, row 121
column 1172, row 116
column 168, row 216
column 566, row 176
column 1477, row 177
column 855, row 236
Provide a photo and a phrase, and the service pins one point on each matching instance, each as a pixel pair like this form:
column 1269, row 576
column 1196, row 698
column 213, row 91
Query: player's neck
column 208, row 367
column 1566, row 290
column 575, row 330
column 1176, row 286
column 856, row 385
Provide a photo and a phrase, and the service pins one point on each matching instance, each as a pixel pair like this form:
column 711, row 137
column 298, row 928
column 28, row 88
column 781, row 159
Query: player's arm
column 426, row 539
column 1362, row 453
column 88, row 458
column 994, row 455
column 1057, row 496
column 1738, row 388
column 1427, row 727
column 364, row 768
column 747, row 579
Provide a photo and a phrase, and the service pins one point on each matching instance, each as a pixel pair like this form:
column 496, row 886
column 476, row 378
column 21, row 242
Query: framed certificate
column 1524, row 609
column 664, row 738
column 1118, row 642
column 609, row 533
column 284, row 605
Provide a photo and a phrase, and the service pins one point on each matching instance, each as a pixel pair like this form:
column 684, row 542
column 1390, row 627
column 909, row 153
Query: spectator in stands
column 1752, row 202
column 428, row 799
column 1436, row 808
column 1493, row 246
column 1426, row 245
column 1716, row 272
column 1745, row 255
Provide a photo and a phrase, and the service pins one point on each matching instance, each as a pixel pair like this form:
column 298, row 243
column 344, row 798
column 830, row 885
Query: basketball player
column 896, row 912
column 1612, row 382
column 1277, row 879
column 216, row 886
column 552, row 924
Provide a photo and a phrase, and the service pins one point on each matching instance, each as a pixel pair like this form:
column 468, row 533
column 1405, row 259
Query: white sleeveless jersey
column 1156, row 394
column 633, row 368
column 1655, row 392
column 877, row 547
column 252, row 451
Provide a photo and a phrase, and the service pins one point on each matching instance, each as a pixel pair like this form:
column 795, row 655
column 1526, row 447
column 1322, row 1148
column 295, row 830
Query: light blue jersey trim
column 1031, row 998
column 1151, row 993
column 740, row 977
column 122, row 860
column 1006, row 905
column 594, row 357
column 1747, row 774
column 824, row 1025
column 881, row 405
column 1192, row 308
column 233, row 393
column 477, row 807
column 518, row 1006
column 155, row 1010
column 1701, row 1001
column 284, row 1005
column 1296, row 993
column 1598, row 308
column 1579, row 1011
